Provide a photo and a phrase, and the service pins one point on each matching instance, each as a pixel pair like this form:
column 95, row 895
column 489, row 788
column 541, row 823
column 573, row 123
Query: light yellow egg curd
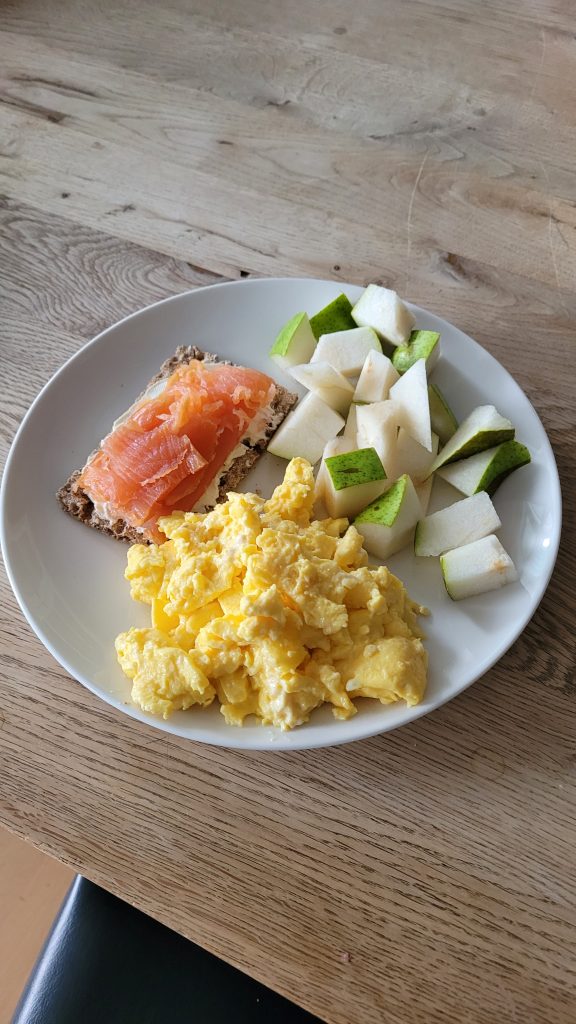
column 272, row 614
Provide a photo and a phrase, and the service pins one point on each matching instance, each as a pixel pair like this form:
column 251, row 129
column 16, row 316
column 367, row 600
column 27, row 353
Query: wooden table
column 423, row 876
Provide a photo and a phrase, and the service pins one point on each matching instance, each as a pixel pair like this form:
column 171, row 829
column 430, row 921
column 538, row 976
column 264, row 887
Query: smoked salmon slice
column 170, row 447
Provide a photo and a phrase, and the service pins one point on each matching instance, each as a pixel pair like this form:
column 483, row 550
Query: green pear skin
column 353, row 468
column 443, row 420
column 483, row 428
column 295, row 343
column 384, row 511
column 486, row 470
column 421, row 345
column 336, row 316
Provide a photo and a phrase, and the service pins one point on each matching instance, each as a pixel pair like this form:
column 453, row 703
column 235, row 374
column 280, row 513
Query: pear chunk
column 377, row 377
column 306, row 430
column 461, row 523
column 351, row 428
column 410, row 394
column 383, row 310
column 421, row 345
column 295, row 343
column 486, row 470
column 483, row 428
column 346, row 351
column 443, row 420
column 352, row 480
column 336, row 446
column 424, row 491
column 326, row 382
column 387, row 525
column 377, row 427
column 411, row 458
column 477, row 568
column 336, row 316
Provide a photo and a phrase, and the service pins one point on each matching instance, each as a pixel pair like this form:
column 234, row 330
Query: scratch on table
column 551, row 221
column 409, row 217
column 538, row 72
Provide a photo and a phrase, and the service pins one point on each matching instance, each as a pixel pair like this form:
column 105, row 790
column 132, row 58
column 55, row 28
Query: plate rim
column 297, row 736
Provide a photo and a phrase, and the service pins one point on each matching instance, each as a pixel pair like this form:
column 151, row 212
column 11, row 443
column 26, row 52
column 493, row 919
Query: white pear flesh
column 376, row 378
column 351, row 428
column 377, row 427
column 295, row 343
column 411, row 458
column 424, row 491
column 326, row 382
column 477, row 568
column 387, row 525
column 335, row 446
column 306, row 430
column 410, row 394
column 383, row 310
column 483, row 428
column 486, row 470
column 461, row 523
column 346, row 351
column 352, row 480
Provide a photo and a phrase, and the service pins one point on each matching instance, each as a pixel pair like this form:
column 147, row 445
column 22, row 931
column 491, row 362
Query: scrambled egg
column 272, row 614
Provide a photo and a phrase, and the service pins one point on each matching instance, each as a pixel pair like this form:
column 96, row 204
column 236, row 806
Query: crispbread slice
column 78, row 504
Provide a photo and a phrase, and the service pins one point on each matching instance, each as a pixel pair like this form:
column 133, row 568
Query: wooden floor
column 32, row 886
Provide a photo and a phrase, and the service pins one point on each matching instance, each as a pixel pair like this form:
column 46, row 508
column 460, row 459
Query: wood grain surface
column 427, row 875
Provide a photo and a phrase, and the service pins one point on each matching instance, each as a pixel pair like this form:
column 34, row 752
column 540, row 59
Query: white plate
column 69, row 579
